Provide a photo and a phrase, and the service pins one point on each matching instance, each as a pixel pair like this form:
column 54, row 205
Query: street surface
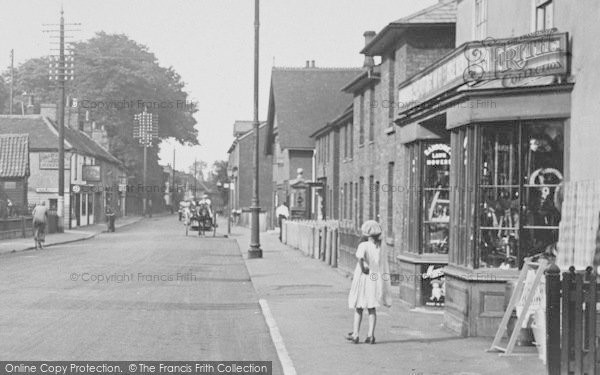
column 146, row 292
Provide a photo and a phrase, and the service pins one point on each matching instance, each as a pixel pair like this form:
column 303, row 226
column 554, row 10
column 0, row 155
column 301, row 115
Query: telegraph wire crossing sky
column 210, row 44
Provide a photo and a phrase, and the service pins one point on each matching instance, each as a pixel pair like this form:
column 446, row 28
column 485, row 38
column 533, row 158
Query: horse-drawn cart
column 201, row 220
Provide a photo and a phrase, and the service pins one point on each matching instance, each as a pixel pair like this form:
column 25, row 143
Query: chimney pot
column 307, row 64
column 369, row 36
column 312, row 63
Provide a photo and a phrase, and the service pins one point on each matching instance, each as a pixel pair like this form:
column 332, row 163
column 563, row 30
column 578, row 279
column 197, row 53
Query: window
column 371, row 115
column 390, row 199
column 361, row 121
column 544, row 14
column 361, row 200
column 517, row 168
column 351, row 145
column 371, row 196
column 391, row 86
column 429, row 197
column 480, row 31
column 10, row 185
column 350, row 201
column 377, row 187
column 346, row 142
column 345, row 201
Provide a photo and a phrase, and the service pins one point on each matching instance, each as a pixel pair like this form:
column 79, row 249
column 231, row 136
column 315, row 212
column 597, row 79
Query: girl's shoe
column 370, row 340
column 350, row 336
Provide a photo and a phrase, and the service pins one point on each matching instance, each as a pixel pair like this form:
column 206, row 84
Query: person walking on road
column 371, row 286
column 40, row 218
column 283, row 213
column 110, row 218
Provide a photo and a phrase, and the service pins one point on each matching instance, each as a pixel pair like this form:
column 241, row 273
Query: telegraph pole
column 12, row 78
column 173, row 183
column 145, row 129
column 255, row 251
column 61, row 70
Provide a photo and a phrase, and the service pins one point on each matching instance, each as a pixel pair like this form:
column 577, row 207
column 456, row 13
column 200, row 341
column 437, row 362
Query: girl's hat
column 370, row 228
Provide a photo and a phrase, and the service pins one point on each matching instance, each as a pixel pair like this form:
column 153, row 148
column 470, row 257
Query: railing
column 315, row 238
column 571, row 320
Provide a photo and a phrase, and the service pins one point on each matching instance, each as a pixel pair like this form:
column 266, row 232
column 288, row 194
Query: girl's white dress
column 373, row 290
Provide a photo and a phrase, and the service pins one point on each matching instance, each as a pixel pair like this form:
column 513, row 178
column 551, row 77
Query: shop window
column 429, row 197
column 544, row 14
column 518, row 167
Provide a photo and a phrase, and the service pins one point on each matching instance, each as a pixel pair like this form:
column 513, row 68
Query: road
column 146, row 292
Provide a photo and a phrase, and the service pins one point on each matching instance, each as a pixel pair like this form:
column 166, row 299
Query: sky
column 210, row 43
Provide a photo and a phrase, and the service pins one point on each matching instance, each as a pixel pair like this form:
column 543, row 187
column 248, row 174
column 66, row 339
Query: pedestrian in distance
column 283, row 213
column 40, row 219
column 110, row 218
column 371, row 286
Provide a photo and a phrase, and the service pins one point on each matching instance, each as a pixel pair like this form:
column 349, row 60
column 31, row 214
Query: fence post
column 553, row 319
column 334, row 247
column 23, row 226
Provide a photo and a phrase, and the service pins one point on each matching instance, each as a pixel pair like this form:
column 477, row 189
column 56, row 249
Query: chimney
column 87, row 124
column 307, row 63
column 48, row 110
column 99, row 135
column 312, row 63
column 29, row 110
column 369, row 36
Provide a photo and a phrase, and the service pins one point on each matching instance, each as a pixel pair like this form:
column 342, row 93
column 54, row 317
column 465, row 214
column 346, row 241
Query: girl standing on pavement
column 371, row 287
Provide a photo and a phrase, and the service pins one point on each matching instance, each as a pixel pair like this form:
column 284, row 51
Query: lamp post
column 255, row 251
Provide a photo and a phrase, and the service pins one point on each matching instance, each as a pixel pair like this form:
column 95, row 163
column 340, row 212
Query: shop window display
column 429, row 202
column 521, row 166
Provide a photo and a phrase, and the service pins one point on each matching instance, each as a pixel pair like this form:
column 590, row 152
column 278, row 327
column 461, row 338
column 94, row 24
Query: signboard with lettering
column 91, row 173
column 49, row 160
column 509, row 60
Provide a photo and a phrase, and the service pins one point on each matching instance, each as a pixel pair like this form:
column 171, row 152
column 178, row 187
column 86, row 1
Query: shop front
column 507, row 130
column 428, row 212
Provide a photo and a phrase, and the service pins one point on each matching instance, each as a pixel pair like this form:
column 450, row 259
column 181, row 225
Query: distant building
column 241, row 167
column 93, row 177
column 301, row 101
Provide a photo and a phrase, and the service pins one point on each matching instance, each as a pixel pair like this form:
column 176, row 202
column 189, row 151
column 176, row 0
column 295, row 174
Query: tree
column 114, row 78
column 218, row 172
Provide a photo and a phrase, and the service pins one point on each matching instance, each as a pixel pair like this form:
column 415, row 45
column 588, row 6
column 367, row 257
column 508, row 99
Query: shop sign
column 437, row 154
column 91, row 173
column 433, row 288
column 510, row 60
column 49, row 160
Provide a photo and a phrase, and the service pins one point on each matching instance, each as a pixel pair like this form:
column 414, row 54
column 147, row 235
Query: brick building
column 373, row 163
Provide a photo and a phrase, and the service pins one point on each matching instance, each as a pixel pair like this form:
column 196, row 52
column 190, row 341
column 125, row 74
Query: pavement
column 68, row 236
column 146, row 292
column 308, row 303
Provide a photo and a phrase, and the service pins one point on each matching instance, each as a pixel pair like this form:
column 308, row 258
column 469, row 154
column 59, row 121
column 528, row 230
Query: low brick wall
column 20, row 227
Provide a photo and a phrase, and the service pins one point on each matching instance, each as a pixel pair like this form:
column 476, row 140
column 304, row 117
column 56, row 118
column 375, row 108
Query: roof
column 336, row 122
column 242, row 127
column 302, row 100
column 43, row 136
column 442, row 14
column 14, row 155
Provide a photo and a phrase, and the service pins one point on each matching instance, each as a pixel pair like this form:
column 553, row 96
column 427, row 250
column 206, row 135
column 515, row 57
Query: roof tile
column 14, row 155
